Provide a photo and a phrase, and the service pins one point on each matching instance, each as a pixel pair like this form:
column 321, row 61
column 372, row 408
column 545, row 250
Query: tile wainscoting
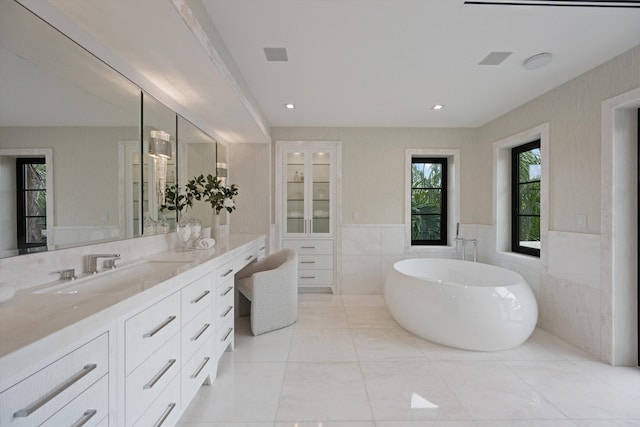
column 566, row 282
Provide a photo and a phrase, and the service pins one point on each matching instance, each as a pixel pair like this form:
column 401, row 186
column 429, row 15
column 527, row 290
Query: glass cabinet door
column 320, row 215
column 295, row 202
column 308, row 205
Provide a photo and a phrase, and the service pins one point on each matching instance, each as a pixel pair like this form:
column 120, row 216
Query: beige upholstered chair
column 270, row 289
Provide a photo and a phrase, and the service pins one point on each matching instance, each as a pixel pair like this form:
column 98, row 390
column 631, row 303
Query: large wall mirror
column 65, row 121
column 197, row 156
column 75, row 161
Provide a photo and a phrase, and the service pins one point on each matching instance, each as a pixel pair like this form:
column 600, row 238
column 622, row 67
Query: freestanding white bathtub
column 461, row 304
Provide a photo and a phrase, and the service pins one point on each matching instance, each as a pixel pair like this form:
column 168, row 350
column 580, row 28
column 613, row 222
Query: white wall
column 569, row 289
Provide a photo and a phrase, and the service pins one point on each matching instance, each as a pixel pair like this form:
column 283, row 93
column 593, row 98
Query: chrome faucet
column 93, row 261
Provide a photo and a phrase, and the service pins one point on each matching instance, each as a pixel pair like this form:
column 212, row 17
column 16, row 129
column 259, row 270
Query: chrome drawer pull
column 165, row 415
column 227, row 273
column 25, row 412
column 262, row 248
column 88, row 414
column 197, row 300
column 159, row 327
column 307, row 247
column 200, row 368
column 307, row 277
column 229, row 289
column 227, row 312
column 307, row 262
column 248, row 258
column 159, row 375
column 200, row 332
column 227, row 334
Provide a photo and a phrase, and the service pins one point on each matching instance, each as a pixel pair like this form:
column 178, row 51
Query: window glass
column 526, row 172
column 428, row 201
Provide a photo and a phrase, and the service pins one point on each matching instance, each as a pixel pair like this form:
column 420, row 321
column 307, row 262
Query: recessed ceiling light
column 537, row 61
column 290, row 106
column 437, row 107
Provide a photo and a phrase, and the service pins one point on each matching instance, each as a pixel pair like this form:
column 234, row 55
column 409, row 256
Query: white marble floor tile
column 363, row 301
column 323, row 391
column 409, row 390
column 624, row 379
column 321, row 317
column 574, row 391
column 608, row 423
column 385, row 344
column 490, row 390
column 326, row 424
column 347, row 363
column 370, row 317
column 269, row 347
column 526, row 423
column 322, row 345
column 239, row 386
column 562, row 348
column 436, row 352
column 187, row 424
column 425, row 423
column 319, row 300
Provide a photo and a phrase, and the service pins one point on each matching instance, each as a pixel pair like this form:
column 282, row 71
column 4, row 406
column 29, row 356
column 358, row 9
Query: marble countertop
column 32, row 322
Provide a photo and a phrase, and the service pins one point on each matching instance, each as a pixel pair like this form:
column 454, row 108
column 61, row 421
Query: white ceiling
column 386, row 62
column 351, row 62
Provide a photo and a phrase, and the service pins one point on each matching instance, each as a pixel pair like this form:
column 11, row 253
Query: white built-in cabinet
column 144, row 367
column 306, row 207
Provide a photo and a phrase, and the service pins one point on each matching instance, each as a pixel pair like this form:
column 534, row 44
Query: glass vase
column 183, row 232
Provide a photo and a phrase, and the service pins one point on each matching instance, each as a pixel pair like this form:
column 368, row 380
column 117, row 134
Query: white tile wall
column 567, row 290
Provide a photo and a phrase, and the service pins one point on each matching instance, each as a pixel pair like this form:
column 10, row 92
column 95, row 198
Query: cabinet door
column 309, row 192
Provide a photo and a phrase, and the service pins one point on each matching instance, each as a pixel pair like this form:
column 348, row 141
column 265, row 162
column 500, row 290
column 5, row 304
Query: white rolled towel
column 207, row 243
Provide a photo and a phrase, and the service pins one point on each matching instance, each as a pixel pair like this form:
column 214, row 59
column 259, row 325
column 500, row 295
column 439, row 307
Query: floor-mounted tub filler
column 461, row 304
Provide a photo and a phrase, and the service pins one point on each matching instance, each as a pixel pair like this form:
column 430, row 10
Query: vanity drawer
column 225, row 271
column 148, row 330
column 224, row 289
column 196, row 370
column 224, row 337
column 245, row 259
column 86, row 410
column 309, row 247
column 165, row 410
column 39, row 396
column 195, row 333
column 195, row 297
column 146, row 383
column 315, row 262
column 315, row 277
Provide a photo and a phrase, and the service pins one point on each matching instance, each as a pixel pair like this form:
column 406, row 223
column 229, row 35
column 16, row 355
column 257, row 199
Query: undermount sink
column 138, row 276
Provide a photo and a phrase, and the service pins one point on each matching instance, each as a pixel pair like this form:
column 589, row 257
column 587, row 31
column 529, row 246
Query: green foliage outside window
column 428, row 201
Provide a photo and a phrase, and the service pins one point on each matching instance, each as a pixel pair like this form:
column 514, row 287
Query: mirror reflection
column 158, row 166
column 197, row 157
column 67, row 124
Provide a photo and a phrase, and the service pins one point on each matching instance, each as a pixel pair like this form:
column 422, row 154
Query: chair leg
column 244, row 305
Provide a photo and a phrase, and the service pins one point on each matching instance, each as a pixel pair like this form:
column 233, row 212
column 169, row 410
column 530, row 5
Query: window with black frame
column 31, row 191
column 428, row 201
column 525, row 199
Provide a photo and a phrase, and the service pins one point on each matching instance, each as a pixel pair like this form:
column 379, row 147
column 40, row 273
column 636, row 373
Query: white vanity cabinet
column 198, row 351
column 224, row 309
column 74, row 387
column 152, row 354
column 306, row 206
column 145, row 355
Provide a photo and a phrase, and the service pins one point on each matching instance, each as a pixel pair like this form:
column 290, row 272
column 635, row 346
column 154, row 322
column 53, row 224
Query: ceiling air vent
column 570, row 3
column 276, row 54
column 495, row 58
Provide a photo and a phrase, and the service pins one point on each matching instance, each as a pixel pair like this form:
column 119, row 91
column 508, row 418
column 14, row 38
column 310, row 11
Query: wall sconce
column 160, row 150
column 160, row 145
